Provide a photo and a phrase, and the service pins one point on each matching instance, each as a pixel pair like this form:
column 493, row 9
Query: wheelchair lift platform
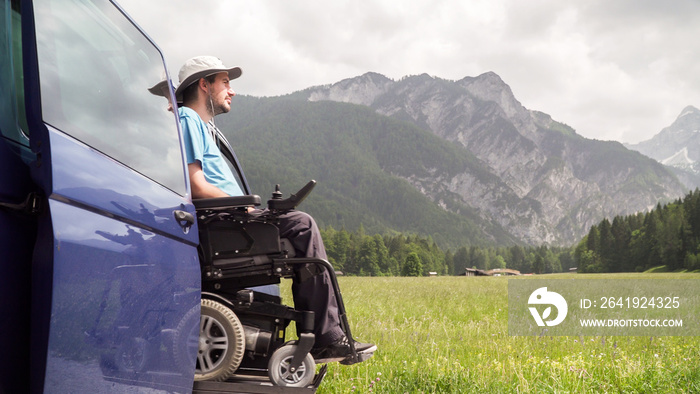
column 255, row 384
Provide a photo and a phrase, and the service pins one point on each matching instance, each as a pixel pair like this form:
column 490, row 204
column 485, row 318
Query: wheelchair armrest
column 227, row 202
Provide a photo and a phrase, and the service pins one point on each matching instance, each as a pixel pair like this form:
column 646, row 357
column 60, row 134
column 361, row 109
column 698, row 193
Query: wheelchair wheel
column 221, row 342
column 280, row 374
column 185, row 342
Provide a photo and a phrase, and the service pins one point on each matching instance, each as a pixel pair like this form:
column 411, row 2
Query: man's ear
column 204, row 85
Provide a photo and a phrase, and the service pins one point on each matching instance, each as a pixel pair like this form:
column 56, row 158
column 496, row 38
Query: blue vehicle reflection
column 99, row 240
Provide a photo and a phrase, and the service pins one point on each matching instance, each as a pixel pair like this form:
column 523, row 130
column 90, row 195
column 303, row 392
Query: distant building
column 502, row 272
column 493, row 272
column 475, row 272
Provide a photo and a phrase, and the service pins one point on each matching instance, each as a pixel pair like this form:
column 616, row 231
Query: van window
column 12, row 114
column 95, row 69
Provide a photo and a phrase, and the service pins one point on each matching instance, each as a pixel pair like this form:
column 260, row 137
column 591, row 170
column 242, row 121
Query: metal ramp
column 255, row 384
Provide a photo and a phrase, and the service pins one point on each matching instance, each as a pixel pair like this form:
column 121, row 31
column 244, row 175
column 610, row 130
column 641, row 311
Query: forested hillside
column 666, row 236
column 359, row 159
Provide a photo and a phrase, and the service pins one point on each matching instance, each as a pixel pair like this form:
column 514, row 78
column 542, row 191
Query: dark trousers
column 312, row 290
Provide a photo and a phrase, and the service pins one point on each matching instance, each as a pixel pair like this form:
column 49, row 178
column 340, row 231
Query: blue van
column 99, row 273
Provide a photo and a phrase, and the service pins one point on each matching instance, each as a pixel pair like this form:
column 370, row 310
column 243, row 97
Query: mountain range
column 462, row 161
column 678, row 147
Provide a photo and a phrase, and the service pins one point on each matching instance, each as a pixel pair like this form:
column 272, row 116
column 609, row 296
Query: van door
column 17, row 224
column 115, row 273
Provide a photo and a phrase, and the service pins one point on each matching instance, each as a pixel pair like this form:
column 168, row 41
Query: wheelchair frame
column 239, row 250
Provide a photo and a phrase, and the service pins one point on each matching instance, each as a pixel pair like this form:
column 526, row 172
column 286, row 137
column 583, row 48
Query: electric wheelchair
column 243, row 330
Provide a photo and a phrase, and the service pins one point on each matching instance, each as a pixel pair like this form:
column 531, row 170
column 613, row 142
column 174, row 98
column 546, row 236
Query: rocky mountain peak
column 490, row 87
column 541, row 181
column 677, row 146
column 361, row 90
column 689, row 110
column 687, row 121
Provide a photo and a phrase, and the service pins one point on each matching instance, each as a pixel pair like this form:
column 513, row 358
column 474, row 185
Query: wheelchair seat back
column 237, row 250
column 224, row 241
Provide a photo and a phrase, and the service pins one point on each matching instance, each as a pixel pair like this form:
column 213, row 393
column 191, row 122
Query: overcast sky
column 611, row 69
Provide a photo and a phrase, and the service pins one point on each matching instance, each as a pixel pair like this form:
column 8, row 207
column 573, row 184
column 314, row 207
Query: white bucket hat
column 161, row 88
column 202, row 67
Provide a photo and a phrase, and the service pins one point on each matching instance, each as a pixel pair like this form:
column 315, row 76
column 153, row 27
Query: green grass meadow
column 450, row 335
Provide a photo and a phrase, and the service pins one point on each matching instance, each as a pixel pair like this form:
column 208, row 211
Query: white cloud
column 612, row 70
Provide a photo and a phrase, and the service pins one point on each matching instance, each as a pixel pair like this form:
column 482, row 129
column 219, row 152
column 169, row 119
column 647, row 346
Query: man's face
column 221, row 94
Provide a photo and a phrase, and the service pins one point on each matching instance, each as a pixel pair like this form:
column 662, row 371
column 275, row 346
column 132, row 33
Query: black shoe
column 340, row 350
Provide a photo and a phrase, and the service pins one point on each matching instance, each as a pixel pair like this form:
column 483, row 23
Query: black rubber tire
column 221, row 342
column 279, row 373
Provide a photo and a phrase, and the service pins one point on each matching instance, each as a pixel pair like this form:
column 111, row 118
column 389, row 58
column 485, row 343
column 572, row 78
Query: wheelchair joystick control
column 280, row 205
column 277, row 194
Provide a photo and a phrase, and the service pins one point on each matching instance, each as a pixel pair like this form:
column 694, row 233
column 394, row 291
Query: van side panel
column 124, row 276
column 113, row 281
column 118, row 300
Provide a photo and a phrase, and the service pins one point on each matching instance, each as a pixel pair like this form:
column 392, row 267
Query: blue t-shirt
column 200, row 146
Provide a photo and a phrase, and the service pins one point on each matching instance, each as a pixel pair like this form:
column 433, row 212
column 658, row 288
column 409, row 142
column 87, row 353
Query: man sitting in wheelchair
column 205, row 91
